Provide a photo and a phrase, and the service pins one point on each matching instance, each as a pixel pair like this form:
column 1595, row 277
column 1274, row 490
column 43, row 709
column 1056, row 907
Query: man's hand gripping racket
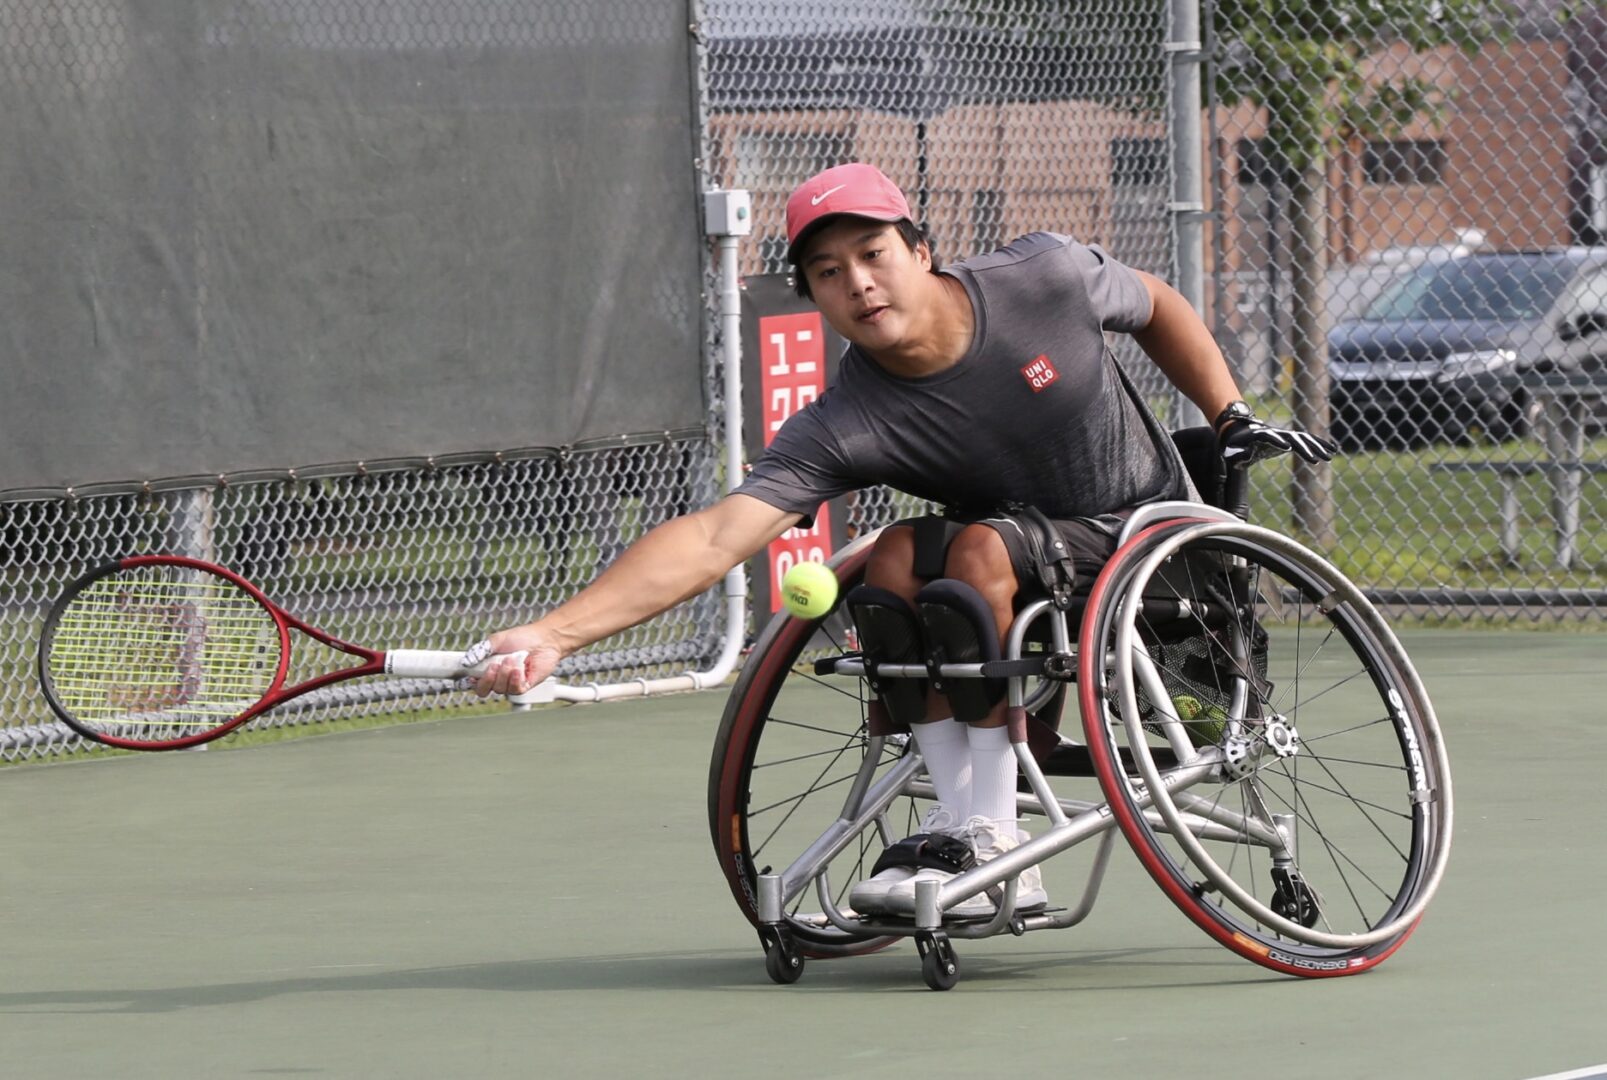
column 161, row 652
column 512, row 662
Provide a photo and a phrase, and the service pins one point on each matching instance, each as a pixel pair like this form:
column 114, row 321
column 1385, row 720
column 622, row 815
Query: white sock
column 945, row 747
column 993, row 775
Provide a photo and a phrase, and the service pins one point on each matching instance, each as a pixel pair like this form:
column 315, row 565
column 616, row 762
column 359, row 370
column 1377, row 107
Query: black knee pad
column 890, row 633
column 960, row 629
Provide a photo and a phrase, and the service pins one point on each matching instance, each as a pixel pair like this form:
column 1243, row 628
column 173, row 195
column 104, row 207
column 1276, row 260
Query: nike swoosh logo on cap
column 816, row 200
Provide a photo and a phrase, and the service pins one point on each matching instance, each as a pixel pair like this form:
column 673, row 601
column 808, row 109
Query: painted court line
column 1589, row 1072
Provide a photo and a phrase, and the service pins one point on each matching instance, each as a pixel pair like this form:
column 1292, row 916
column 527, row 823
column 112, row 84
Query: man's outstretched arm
column 674, row 562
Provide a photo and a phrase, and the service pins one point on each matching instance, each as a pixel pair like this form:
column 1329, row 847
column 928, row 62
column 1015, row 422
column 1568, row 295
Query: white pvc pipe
column 736, row 580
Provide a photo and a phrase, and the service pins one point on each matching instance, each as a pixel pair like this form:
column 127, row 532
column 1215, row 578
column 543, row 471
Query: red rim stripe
column 1093, row 729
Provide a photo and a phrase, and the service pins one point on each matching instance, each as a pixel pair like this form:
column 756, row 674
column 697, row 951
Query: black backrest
column 1217, row 486
column 1198, row 447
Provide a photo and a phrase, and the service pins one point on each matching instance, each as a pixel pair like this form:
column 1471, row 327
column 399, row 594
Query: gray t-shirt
column 1037, row 412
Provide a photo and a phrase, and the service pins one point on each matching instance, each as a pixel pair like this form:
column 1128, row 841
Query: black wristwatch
column 1238, row 410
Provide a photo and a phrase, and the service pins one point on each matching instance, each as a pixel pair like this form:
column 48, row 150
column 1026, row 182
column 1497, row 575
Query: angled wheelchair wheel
column 789, row 748
column 1284, row 779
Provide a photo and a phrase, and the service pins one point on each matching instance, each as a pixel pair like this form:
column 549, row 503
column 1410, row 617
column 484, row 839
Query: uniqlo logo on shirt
column 1040, row 373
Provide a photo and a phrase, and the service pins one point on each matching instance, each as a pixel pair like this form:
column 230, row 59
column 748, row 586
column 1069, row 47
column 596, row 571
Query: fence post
column 1187, row 207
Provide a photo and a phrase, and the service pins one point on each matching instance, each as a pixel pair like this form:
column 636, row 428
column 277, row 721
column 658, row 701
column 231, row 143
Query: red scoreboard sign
column 792, row 373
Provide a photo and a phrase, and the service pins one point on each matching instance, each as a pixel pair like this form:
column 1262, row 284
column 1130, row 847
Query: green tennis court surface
column 534, row 895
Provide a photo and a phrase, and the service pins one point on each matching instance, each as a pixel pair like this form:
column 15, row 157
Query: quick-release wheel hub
column 1239, row 756
column 1280, row 737
column 1241, row 753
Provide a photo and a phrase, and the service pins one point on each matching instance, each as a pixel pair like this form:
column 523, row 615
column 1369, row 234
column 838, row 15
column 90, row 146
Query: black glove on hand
column 1242, row 439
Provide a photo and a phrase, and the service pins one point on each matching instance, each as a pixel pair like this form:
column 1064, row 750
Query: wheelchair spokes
column 1329, row 755
column 791, row 749
column 1260, row 738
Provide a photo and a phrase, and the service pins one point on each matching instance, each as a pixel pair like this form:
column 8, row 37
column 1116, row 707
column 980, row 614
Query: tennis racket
column 160, row 652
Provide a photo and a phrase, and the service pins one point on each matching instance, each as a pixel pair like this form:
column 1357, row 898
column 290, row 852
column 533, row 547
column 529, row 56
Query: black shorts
column 1091, row 541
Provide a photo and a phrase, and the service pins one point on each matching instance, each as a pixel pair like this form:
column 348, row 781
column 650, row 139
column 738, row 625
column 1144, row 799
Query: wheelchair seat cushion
column 1088, row 544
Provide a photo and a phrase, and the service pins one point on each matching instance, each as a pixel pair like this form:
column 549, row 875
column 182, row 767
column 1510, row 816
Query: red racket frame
column 276, row 694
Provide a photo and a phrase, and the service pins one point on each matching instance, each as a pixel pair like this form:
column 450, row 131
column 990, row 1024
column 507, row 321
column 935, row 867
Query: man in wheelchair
column 987, row 387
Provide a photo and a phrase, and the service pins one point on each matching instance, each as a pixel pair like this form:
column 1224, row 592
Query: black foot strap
column 928, row 851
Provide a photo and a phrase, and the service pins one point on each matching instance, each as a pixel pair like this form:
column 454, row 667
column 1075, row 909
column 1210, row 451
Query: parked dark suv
column 1428, row 357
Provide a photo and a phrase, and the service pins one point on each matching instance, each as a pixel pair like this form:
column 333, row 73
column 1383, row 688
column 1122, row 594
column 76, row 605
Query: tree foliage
column 1304, row 61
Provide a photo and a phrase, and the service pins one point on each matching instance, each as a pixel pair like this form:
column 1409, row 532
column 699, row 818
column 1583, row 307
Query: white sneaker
column 993, row 838
column 989, row 839
column 870, row 896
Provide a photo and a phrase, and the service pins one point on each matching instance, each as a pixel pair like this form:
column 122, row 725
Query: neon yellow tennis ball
column 809, row 590
column 1211, row 726
column 1186, row 707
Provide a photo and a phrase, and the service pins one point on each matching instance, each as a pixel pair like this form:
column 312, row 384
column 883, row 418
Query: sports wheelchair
column 1256, row 731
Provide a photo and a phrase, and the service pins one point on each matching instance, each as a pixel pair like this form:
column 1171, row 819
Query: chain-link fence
column 399, row 554
column 1402, row 202
column 246, row 235
column 996, row 117
column 1408, row 198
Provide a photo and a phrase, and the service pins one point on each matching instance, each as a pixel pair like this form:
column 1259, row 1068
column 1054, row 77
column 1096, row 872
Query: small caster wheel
column 1293, row 899
column 940, row 969
column 783, row 965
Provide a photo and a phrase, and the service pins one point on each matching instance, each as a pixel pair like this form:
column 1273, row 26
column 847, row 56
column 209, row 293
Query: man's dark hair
column 908, row 231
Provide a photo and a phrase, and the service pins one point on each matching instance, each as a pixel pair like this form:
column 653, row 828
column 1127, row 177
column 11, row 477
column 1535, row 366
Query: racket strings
column 162, row 647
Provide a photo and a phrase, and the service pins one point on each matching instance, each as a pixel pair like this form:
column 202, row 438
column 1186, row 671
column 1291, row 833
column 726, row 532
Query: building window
column 1138, row 162
column 1404, row 161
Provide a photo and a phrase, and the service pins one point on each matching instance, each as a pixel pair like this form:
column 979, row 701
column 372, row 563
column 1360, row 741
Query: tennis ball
column 809, row 590
column 1211, row 726
column 1186, row 707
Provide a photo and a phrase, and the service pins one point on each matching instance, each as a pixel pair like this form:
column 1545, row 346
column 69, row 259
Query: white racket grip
column 434, row 664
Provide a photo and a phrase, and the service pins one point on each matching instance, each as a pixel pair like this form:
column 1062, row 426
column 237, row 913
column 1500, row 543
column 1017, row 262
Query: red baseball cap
column 855, row 190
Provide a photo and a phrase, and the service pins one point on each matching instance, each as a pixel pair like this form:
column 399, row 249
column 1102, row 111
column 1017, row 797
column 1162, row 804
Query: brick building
column 1501, row 156
column 992, row 140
